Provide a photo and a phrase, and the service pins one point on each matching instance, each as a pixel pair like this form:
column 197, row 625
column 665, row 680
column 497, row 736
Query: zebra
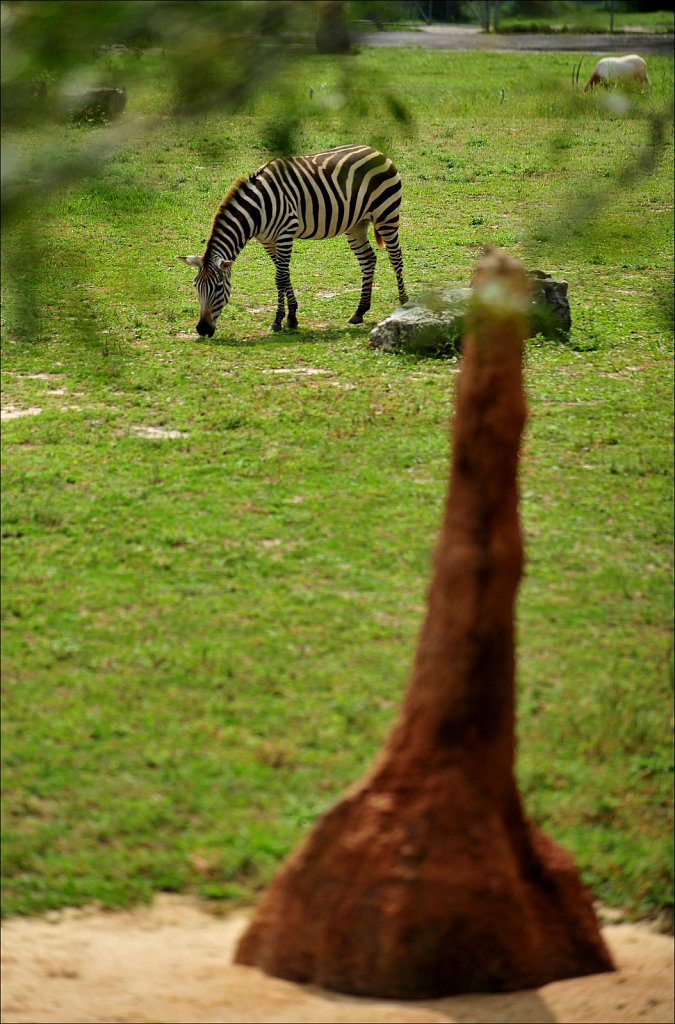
column 339, row 191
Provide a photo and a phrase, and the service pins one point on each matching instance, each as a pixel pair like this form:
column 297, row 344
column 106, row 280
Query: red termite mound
column 426, row 879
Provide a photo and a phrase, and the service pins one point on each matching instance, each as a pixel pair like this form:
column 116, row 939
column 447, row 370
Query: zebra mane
column 233, row 191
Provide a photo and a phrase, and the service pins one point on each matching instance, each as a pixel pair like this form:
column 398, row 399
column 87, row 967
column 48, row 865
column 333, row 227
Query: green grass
column 588, row 17
column 206, row 636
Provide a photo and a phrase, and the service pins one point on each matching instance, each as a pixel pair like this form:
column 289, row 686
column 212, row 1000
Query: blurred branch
column 194, row 56
column 215, row 55
column 486, row 13
column 25, row 178
column 584, row 204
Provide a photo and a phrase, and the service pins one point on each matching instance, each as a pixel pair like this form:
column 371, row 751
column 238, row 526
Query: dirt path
column 172, row 963
column 465, row 37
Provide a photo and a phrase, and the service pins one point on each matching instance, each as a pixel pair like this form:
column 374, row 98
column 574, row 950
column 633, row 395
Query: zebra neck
column 236, row 223
column 225, row 248
column 224, row 242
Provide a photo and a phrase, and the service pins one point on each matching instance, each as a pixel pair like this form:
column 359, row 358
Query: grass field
column 216, row 552
column 586, row 17
column 590, row 18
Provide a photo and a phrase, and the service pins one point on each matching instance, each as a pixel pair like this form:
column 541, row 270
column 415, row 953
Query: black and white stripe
column 340, row 191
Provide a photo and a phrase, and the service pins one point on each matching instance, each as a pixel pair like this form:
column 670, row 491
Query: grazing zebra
column 340, row 191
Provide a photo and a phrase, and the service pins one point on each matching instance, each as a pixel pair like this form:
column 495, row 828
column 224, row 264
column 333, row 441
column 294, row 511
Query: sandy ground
column 171, row 963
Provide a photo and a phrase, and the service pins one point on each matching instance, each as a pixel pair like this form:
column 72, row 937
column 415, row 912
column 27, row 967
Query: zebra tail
column 378, row 238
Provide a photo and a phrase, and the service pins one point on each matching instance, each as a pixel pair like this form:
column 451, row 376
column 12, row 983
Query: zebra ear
column 224, row 264
column 192, row 261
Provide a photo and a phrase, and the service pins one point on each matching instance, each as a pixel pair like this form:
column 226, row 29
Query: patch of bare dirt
column 157, row 433
column 13, row 412
column 309, row 371
column 171, row 963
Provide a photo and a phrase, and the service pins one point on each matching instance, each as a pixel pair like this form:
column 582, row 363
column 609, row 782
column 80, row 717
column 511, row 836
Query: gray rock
column 430, row 326
column 433, row 325
column 102, row 104
column 551, row 309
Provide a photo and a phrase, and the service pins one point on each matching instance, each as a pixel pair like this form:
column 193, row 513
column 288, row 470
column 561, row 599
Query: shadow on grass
column 297, row 336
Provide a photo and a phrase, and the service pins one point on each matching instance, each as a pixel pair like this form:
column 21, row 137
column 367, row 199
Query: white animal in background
column 612, row 69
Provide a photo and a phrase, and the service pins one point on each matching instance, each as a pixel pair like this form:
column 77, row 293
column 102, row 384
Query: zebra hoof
column 355, row 319
column 276, row 326
column 292, row 322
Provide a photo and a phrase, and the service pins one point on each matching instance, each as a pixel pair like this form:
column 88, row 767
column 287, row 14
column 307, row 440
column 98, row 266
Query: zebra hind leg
column 281, row 278
column 363, row 250
column 389, row 234
column 291, row 319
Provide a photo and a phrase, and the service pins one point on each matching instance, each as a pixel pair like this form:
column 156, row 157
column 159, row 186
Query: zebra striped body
column 339, row 191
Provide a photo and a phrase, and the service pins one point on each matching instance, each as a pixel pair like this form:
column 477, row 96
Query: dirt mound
column 172, row 963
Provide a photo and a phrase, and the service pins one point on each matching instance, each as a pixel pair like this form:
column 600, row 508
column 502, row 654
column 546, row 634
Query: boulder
column 102, row 104
column 433, row 325
column 550, row 313
column 430, row 326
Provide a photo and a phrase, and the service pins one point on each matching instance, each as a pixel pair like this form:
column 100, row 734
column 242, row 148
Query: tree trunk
column 426, row 879
column 332, row 31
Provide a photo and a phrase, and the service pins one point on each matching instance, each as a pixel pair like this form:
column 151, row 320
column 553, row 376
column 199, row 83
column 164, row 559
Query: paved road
column 463, row 37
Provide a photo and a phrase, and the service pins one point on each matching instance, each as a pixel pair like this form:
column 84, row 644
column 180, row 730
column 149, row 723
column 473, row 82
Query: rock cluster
column 102, row 104
column 433, row 325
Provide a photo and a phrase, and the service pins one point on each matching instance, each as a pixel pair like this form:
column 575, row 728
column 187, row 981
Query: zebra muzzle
column 204, row 328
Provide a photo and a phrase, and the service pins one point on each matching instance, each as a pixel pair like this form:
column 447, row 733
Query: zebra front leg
column 285, row 293
column 291, row 319
column 281, row 301
column 271, row 250
column 363, row 250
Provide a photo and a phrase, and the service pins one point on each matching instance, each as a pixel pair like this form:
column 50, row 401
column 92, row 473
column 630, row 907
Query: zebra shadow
column 296, row 336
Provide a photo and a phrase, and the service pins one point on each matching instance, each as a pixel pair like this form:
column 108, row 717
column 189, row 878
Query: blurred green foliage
column 216, row 54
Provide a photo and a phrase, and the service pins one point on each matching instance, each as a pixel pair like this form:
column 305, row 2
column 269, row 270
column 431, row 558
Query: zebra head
column 213, row 287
